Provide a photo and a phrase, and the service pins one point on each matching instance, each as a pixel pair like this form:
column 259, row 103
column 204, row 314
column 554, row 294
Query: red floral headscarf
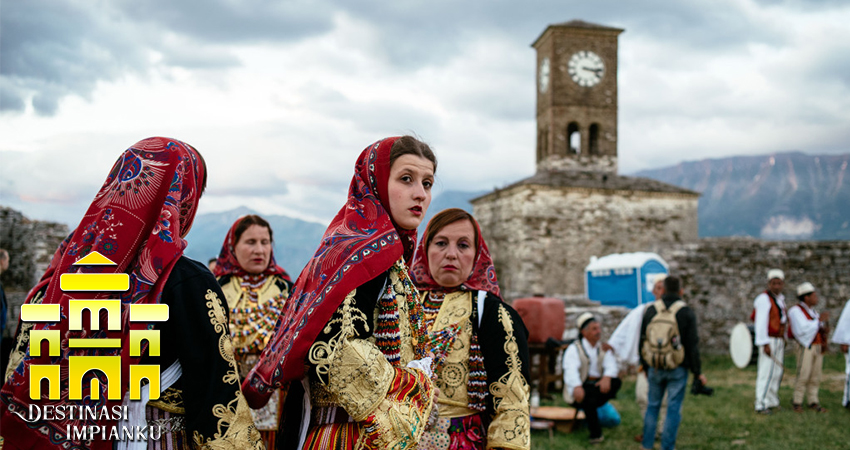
column 228, row 265
column 361, row 243
column 482, row 277
column 137, row 220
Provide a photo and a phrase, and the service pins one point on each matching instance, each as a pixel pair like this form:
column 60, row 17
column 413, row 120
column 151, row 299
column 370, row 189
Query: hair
column 448, row 217
column 204, row 180
column 246, row 222
column 212, row 260
column 672, row 284
column 409, row 145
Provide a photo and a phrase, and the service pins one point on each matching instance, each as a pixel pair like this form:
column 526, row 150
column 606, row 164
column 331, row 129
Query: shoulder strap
column 676, row 306
column 659, row 306
column 481, row 296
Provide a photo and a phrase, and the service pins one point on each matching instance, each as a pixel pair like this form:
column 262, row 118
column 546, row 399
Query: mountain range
column 785, row 196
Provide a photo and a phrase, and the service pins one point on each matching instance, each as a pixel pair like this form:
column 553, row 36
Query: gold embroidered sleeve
column 236, row 429
column 510, row 427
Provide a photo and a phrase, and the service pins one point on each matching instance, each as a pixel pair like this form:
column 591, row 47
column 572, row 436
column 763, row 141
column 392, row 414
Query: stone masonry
column 542, row 234
column 31, row 244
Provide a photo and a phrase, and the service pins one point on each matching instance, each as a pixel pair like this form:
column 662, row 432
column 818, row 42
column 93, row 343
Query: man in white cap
column 810, row 330
column 842, row 338
column 624, row 340
column 590, row 374
column 770, row 321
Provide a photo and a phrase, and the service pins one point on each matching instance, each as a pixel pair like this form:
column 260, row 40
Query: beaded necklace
column 254, row 319
column 387, row 328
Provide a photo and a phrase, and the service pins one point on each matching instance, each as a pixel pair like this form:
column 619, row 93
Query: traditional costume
column 770, row 319
column 841, row 336
column 353, row 323
column 255, row 301
column 584, row 365
column 481, row 357
column 137, row 220
column 624, row 340
column 810, row 333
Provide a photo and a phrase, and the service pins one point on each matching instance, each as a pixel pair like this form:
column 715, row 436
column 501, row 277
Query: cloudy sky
column 280, row 97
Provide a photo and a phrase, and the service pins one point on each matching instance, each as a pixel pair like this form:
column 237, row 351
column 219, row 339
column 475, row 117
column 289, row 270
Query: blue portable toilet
column 623, row 279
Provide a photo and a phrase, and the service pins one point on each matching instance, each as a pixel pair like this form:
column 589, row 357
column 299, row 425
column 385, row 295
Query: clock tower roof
column 577, row 25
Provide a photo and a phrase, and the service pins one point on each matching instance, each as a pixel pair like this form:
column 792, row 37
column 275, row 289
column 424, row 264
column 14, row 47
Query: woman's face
column 254, row 249
column 409, row 190
column 451, row 254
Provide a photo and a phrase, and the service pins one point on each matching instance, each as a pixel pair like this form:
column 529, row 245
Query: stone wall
column 722, row 276
column 31, row 244
column 542, row 237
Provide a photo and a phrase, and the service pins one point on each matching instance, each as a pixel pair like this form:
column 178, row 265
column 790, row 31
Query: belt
column 593, row 378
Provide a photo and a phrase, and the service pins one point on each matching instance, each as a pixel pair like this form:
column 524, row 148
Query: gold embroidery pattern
column 17, row 355
column 453, row 377
column 171, row 400
column 225, row 346
column 510, row 427
column 322, row 354
column 239, row 430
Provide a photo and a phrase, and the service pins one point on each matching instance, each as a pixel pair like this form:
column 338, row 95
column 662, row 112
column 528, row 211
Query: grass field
column 726, row 420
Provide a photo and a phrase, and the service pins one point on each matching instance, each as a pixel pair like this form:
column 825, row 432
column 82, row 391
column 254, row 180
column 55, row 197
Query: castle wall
column 542, row 237
column 31, row 244
column 722, row 276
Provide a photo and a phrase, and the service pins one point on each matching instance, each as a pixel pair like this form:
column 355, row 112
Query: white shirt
column 842, row 329
column 803, row 328
column 762, row 305
column 626, row 337
column 572, row 363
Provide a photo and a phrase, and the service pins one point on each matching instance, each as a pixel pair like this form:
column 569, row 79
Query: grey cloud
column 49, row 49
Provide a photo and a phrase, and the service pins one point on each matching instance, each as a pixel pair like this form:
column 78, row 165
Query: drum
column 741, row 345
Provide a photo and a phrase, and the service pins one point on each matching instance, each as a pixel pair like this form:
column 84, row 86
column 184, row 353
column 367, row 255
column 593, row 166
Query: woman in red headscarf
column 138, row 220
column 480, row 344
column 256, row 289
column 353, row 321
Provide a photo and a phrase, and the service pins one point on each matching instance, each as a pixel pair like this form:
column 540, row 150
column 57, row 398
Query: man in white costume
column 841, row 336
column 591, row 374
column 771, row 320
column 624, row 341
column 810, row 330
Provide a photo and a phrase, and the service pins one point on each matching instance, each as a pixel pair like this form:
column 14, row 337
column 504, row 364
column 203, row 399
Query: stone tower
column 577, row 97
column 542, row 230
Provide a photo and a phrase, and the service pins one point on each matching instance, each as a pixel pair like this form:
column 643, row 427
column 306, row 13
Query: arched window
column 594, row 140
column 574, row 138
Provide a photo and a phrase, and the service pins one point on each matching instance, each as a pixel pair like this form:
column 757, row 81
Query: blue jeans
column 674, row 382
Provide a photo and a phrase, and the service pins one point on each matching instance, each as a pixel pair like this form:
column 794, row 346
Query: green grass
column 726, row 420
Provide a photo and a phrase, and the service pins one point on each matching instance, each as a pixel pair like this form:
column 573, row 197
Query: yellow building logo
column 79, row 366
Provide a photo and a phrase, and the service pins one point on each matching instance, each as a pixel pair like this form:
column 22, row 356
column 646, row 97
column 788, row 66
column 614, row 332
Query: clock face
column 586, row 68
column 544, row 75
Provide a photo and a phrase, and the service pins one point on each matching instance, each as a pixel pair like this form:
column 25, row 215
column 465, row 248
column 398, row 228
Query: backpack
column 663, row 347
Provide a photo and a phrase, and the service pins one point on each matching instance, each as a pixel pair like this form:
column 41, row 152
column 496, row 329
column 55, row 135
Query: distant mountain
column 295, row 240
column 781, row 196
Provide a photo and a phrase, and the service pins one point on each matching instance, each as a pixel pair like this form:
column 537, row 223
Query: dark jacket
column 687, row 321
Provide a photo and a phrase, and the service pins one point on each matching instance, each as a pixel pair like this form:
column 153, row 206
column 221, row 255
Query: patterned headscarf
column 482, row 277
column 361, row 243
column 228, row 265
column 137, row 220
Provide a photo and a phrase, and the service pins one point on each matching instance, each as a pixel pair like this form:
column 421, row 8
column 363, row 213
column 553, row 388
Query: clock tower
column 577, row 98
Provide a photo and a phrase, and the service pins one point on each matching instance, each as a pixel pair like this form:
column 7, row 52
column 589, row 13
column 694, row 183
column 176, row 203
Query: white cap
column 659, row 277
column 584, row 318
column 775, row 273
column 805, row 289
